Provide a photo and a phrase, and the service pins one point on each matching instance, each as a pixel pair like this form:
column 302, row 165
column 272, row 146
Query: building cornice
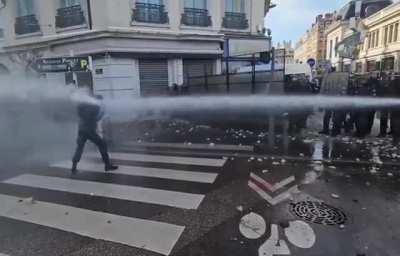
column 383, row 15
column 51, row 41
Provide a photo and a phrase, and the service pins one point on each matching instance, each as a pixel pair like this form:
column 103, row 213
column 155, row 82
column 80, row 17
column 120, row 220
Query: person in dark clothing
column 338, row 119
column 382, row 91
column 90, row 113
column 394, row 91
column 326, row 122
column 349, row 124
column 297, row 85
column 364, row 118
column 334, row 84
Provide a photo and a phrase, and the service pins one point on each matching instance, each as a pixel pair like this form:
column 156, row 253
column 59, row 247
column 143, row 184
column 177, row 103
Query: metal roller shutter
column 193, row 68
column 153, row 73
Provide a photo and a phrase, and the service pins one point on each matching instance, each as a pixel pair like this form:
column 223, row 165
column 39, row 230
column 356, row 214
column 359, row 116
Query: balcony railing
column 70, row 16
column 26, row 25
column 196, row 17
column 150, row 13
column 235, row 20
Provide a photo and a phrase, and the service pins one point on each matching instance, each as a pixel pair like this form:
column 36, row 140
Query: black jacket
column 89, row 115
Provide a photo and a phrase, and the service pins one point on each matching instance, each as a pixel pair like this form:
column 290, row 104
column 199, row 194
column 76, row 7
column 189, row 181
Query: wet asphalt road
column 358, row 182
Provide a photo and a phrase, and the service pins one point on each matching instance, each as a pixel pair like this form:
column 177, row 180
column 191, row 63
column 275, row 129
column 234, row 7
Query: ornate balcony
column 196, row 17
column 70, row 16
column 150, row 13
column 26, row 25
column 235, row 20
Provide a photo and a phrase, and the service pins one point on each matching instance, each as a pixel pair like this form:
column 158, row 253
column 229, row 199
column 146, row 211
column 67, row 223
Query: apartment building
column 133, row 46
column 313, row 44
column 381, row 48
column 335, row 33
column 347, row 21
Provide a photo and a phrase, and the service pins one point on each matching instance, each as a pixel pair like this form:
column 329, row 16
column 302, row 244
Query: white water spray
column 129, row 110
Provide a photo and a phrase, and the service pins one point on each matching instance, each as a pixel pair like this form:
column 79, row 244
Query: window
column 70, row 14
column 336, row 43
column 26, row 21
column 390, row 34
column 372, row 40
column 330, row 49
column 371, row 66
column 196, row 4
column 235, row 6
column 388, row 64
column 196, row 13
column 150, row 11
column 25, row 8
column 69, row 3
column 1, row 26
column 157, row 2
column 377, row 38
column 385, row 41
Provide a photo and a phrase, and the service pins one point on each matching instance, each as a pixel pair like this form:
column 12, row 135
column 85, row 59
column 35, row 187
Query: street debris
column 336, row 196
column 239, row 208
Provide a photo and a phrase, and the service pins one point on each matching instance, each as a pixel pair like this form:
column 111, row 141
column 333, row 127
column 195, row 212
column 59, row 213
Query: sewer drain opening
column 319, row 213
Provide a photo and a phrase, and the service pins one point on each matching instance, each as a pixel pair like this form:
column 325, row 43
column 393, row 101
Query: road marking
column 149, row 235
column 201, row 177
column 272, row 200
column 269, row 186
column 130, row 193
column 300, row 234
column 166, row 159
column 252, row 226
column 191, row 146
column 274, row 246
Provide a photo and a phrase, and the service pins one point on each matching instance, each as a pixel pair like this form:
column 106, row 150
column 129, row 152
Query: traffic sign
column 311, row 62
column 68, row 64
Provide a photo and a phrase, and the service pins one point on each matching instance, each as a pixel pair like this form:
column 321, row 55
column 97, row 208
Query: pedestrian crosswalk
column 167, row 159
column 155, row 236
column 129, row 193
column 88, row 166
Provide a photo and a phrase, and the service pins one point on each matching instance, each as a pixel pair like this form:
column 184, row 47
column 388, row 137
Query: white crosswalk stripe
column 155, row 236
column 130, row 193
column 151, row 235
column 165, row 159
column 201, row 177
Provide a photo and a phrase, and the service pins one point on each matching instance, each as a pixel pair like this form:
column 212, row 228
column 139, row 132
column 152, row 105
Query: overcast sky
column 291, row 18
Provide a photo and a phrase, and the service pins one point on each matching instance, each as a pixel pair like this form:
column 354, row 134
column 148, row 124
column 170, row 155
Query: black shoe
column 74, row 168
column 382, row 135
column 110, row 167
column 324, row 132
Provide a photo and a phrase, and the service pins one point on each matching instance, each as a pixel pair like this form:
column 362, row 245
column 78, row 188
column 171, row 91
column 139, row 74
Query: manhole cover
column 319, row 213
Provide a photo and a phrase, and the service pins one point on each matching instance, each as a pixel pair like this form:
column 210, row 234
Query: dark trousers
column 395, row 123
column 350, row 122
column 339, row 118
column 364, row 122
column 92, row 136
column 371, row 120
column 384, row 122
column 327, row 120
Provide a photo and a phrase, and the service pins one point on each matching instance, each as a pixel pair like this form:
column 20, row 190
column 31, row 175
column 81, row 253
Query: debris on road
column 336, row 196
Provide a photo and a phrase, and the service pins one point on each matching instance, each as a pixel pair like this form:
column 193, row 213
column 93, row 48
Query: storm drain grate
column 318, row 212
